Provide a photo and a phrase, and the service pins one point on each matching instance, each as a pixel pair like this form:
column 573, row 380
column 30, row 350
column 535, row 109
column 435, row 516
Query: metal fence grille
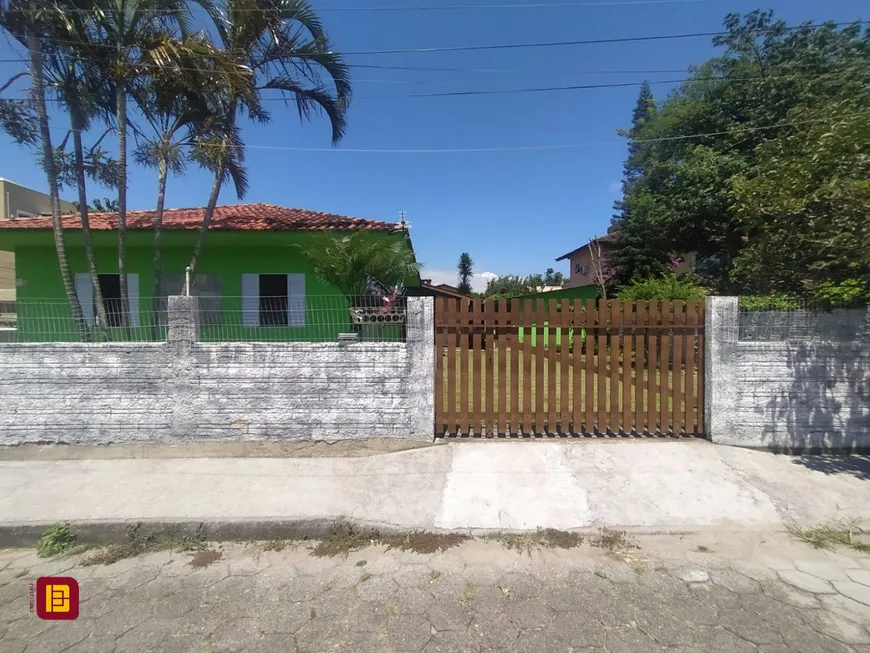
column 799, row 320
column 311, row 318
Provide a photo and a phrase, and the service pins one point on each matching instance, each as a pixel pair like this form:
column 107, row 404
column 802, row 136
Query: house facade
column 251, row 275
column 18, row 202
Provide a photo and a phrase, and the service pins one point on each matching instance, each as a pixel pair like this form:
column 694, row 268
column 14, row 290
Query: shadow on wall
column 825, row 407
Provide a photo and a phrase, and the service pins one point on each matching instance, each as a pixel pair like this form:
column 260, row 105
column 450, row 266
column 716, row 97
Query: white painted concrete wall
column 183, row 390
column 790, row 395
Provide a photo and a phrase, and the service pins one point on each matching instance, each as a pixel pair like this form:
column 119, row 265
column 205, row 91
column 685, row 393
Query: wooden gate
column 512, row 367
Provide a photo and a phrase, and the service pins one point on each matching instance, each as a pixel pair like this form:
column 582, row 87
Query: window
column 209, row 289
column 273, row 300
column 580, row 269
column 110, row 289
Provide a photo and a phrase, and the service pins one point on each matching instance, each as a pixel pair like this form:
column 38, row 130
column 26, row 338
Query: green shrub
column 774, row 302
column 55, row 540
column 670, row 287
column 849, row 291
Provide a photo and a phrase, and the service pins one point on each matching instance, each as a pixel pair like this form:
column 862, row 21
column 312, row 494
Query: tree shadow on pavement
column 857, row 466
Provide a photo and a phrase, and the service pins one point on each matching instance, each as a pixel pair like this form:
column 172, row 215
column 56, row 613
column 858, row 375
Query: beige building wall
column 581, row 266
column 18, row 202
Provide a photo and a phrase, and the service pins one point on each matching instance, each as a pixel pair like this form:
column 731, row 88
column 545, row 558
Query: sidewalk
column 646, row 486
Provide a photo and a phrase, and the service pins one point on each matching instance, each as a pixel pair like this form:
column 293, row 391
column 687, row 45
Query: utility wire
column 541, row 44
column 550, row 89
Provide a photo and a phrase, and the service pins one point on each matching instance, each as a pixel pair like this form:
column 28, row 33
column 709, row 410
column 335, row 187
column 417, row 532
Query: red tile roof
column 240, row 217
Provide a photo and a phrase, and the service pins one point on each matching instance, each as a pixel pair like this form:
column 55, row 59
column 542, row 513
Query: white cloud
column 615, row 187
column 478, row 281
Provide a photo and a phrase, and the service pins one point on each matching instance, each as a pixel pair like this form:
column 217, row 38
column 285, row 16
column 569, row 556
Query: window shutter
column 133, row 298
column 85, row 292
column 251, row 300
column 296, row 300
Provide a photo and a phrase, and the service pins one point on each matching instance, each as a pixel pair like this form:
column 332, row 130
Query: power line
column 529, row 148
column 541, row 44
column 551, row 89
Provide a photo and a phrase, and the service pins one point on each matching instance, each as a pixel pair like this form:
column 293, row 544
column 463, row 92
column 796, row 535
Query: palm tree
column 129, row 41
column 286, row 49
column 30, row 22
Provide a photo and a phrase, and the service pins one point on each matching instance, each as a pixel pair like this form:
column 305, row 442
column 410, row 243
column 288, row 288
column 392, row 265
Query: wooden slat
column 550, row 364
column 603, row 322
column 464, row 375
column 575, row 406
column 664, row 363
column 627, row 355
column 640, row 385
column 439, row 366
column 589, row 352
column 540, row 355
column 515, row 405
column 654, row 384
column 450, row 333
column 700, row 364
column 677, row 372
column 490, row 317
column 616, row 319
column 476, row 353
column 692, row 321
column 565, row 365
column 503, row 338
column 527, row 367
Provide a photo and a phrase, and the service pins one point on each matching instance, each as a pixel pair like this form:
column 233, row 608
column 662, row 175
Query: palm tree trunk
column 121, row 110
column 213, row 198
column 38, row 95
column 156, row 290
column 102, row 322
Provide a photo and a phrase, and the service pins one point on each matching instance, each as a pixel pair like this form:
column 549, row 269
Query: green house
column 252, row 280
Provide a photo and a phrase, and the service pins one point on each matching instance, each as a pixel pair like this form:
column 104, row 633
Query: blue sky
column 514, row 211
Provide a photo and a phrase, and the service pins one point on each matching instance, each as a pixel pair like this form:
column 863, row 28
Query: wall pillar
column 183, row 319
column 421, row 365
column 720, row 341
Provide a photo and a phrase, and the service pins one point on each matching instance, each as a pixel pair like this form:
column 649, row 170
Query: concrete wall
column 183, row 390
column 804, row 394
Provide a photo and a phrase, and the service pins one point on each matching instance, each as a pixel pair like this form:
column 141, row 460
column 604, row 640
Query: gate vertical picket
column 591, row 324
column 464, row 396
column 490, row 319
column 700, row 367
column 627, row 335
column 502, row 343
column 603, row 322
column 655, row 379
column 476, row 351
column 540, row 355
column 550, row 362
column 565, row 369
column 615, row 328
column 439, row 366
column 641, row 385
column 665, row 363
column 679, row 342
column 515, row 406
column 528, row 320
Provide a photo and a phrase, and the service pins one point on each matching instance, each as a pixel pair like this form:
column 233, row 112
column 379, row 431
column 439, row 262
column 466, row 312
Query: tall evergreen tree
column 464, row 267
column 632, row 255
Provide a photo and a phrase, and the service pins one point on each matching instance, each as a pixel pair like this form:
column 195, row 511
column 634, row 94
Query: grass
column 703, row 549
column 344, row 539
column 553, row 401
column 612, row 540
column 546, row 538
column 364, row 577
column 137, row 542
column 601, row 574
column 826, row 537
column 467, row 594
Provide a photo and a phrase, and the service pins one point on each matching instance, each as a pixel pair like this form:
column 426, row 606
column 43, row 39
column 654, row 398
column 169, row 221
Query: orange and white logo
column 57, row 597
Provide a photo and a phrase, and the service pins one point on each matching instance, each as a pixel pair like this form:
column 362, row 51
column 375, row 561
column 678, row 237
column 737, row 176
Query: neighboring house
column 251, row 274
column 444, row 290
column 582, row 260
column 19, row 202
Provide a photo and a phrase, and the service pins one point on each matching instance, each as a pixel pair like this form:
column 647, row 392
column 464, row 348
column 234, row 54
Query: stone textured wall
column 184, row 390
column 791, row 395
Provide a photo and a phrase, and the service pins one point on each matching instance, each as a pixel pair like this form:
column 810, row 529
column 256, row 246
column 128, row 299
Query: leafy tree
column 553, row 278
column 32, row 22
column 708, row 134
column 668, row 287
column 464, row 268
column 283, row 45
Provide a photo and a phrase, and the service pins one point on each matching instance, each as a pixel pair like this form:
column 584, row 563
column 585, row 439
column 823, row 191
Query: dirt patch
column 612, row 540
column 205, row 558
column 424, row 543
column 137, row 542
column 344, row 539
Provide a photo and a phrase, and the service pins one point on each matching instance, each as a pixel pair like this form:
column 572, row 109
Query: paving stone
column 806, row 640
column 822, row 569
column 62, row 637
column 532, row 615
column 735, row 581
column 847, row 607
column 694, row 576
column 451, row 641
column 493, row 631
column 281, row 617
column 806, row 582
column 449, row 615
column 304, row 588
column 407, row 633
column 148, row 635
column 846, row 630
column 855, row 591
column 750, row 626
column 537, row 641
column 628, row 640
column 103, row 645
column 411, row 600
column 861, row 576
column 715, row 639
column 377, row 587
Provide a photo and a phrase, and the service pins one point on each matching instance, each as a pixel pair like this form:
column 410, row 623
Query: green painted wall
column 43, row 313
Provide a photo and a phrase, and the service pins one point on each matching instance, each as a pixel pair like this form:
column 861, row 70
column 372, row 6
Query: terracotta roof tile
column 240, row 217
